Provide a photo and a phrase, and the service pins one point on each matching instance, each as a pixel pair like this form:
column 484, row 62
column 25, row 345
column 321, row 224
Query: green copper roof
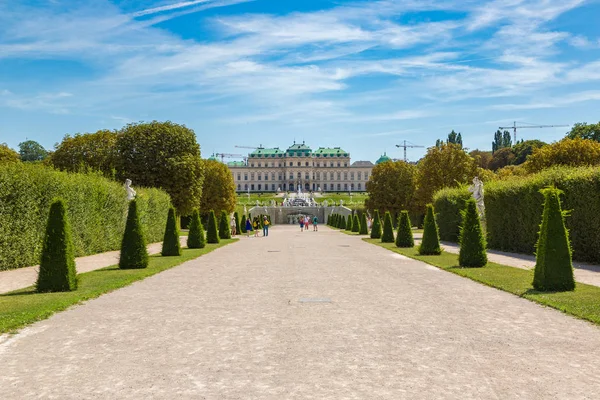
column 299, row 147
column 328, row 152
column 213, row 158
column 236, row 164
column 383, row 158
column 262, row 152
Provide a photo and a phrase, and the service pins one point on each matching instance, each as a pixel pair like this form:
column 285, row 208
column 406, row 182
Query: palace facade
column 324, row 169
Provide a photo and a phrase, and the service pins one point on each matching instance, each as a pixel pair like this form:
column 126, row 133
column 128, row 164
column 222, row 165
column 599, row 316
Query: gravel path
column 252, row 321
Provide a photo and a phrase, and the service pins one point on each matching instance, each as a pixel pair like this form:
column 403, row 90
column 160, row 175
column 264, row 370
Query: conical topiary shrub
column 404, row 237
column 212, row 235
column 133, row 246
column 224, row 230
column 388, row 229
column 196, row 238
column 57, row 265
column 237, row 222
column 430, row 245
column 553, row 264
column 171, row 245
column 376, row 227
column 342, row 222
column 355, row 224
column 364, row 227
column 349, row 223
column 243, row 224
column 472, row 243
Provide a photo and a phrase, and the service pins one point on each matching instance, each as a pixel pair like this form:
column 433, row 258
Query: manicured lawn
column 583, row 302
column 25, row 306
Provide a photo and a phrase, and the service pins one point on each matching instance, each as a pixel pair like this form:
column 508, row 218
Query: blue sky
column 363, row 75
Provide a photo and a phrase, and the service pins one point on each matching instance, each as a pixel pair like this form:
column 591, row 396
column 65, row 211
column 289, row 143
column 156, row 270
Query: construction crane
column 407, row 145
column 515, row 127
column 227, row 155
column 250, row 147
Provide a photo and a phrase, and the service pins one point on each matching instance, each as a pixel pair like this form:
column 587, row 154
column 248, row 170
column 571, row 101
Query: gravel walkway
column 253, row 321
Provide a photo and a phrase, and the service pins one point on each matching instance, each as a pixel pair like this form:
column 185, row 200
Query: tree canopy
column 30, row 150
column 218, row 192
column 391, row 186
column 501, row 158
column 8, row 155
column 88, row 151
column 525, row 148
column 584, row 131
column 501, row 139
column 571, row 152
column 482, row 158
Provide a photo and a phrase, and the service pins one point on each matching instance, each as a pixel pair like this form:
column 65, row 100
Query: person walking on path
column 256, row 224
column 248, row 227
column 306, row 219
column 301, row 221
column 315, row 222
column 265, row 227
column 232, row 225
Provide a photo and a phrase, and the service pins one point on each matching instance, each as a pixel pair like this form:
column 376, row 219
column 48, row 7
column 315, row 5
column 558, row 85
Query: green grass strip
column 583, row 302
column 23, row 307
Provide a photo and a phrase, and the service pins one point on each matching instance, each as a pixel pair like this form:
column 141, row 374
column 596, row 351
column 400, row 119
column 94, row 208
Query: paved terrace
column 311, row 315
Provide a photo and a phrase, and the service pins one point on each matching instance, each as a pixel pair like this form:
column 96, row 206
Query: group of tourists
column 304, row 221
column 255, row 225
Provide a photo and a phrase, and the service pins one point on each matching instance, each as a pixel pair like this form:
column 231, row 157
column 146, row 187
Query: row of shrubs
column 513, row 208
column 97, row 209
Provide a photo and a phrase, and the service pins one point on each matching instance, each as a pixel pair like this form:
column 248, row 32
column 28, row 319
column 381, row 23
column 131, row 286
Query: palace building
column 324, row 169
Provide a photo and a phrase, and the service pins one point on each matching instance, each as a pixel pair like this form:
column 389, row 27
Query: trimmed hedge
column 224, row 230
column 134, row 253
column 196, row 237
column 212, row 234
column 355, row 224
column 97, row 211
column 342, row 223
column 449, row 204
column 388, row 229
column 430, row 245
column 364, row 227
column 404, row 237
column 472, row 243
column 237, row 222
column 57, row 265
column 376, row 228
column 243, row 224
column 349, row 223
column 171, row 245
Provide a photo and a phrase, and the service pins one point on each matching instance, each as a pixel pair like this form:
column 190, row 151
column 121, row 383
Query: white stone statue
column 477, row 190
column 272, row 203
column 130, row 192
column 341, row 203
column 257, row 203
column 325, row 204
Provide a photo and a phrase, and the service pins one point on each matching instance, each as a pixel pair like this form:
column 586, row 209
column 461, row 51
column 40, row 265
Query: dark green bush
column 237, row 222
column 388, row 229
column 133, row 245
column 404, row 237
column 553, row 267
column 355, row 224
column 97, row 211
column 430, row 245
column 196, row 238
column 342, row 222
column 171, row 245
column 449, row 204
column 212, row 235
column 349, row 223
column 57, row 265
column 376, row 228
column 224, row 230
column 243, row 224
column 364, row 228
column 472, row 243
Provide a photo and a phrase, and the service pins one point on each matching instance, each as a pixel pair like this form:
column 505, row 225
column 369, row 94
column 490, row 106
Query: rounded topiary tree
column 57, row 265
column 237, row 222
column 224, row 231
column 376, row 227
column 364, row 227
column 355, row 224
column 133, row 246
column 196, row 238
column 553, row 264
column 342, row 222
column 472, row 243
column 171, row 245
column 349, row 223
column 388, row 229
column 404, row 237
column 430, row 245
column 243, row 224
column 212, row 235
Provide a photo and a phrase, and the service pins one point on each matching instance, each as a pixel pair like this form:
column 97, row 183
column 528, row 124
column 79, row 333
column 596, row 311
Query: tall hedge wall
column 513, row 210
column 448, row 204
column 97, row 209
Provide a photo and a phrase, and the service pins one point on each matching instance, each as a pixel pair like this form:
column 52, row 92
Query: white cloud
column 590, row 95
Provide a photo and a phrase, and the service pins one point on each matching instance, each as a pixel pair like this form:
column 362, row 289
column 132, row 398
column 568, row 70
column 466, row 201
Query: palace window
column 352, row 186
column 252, row 187
column 239, row 176
column 345, row 176
column 339, row 164
column 345, row 186
column 246, row 186
column 359, row 186
column 260, row 165
column 324, row 186
column 298, row 163
column 360, row 176
column 259, row 176
column 331, row 164
column 239, row 187
column 252, row 177
column 245, row 177
column 352, row 175
column 339, row 176
column 299, row 175
column 259, row 187
column 266, row 176
column 345, row 164
column 339, row 186
column 252, row 165
column 307, row 176
column 366, row 176
column 273, row 176
column 273, row 187
column 280, row 177
column 307, row 163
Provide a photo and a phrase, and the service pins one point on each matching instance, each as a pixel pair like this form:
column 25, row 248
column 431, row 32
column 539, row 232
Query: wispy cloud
column 169, row 7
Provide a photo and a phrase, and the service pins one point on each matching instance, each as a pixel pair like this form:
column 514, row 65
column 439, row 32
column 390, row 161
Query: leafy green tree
column 196, row 238
column 212, row 234
column 364, row 228
column 30, row 150
column 501, row 140
column 501, row 158
column 391, row 186
column 482, row 158
column 243, row 224
column 569, row 152
column 388, row 229
column 224, row 231
column 404, row 237
column 8, row 155
column 57, row 266
column 171, row 245
column 355, row 224
column 163, row 155
column 237, row 222
column 430, row 244
column 585, row 131
column 349, row 223
column 472, row 242
column 553, row 265
column 376, row 228
column 88, row 151
column 133, row 246
column 445, row 166
column 454, row 138
column 218, row 191
column 523, row 149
